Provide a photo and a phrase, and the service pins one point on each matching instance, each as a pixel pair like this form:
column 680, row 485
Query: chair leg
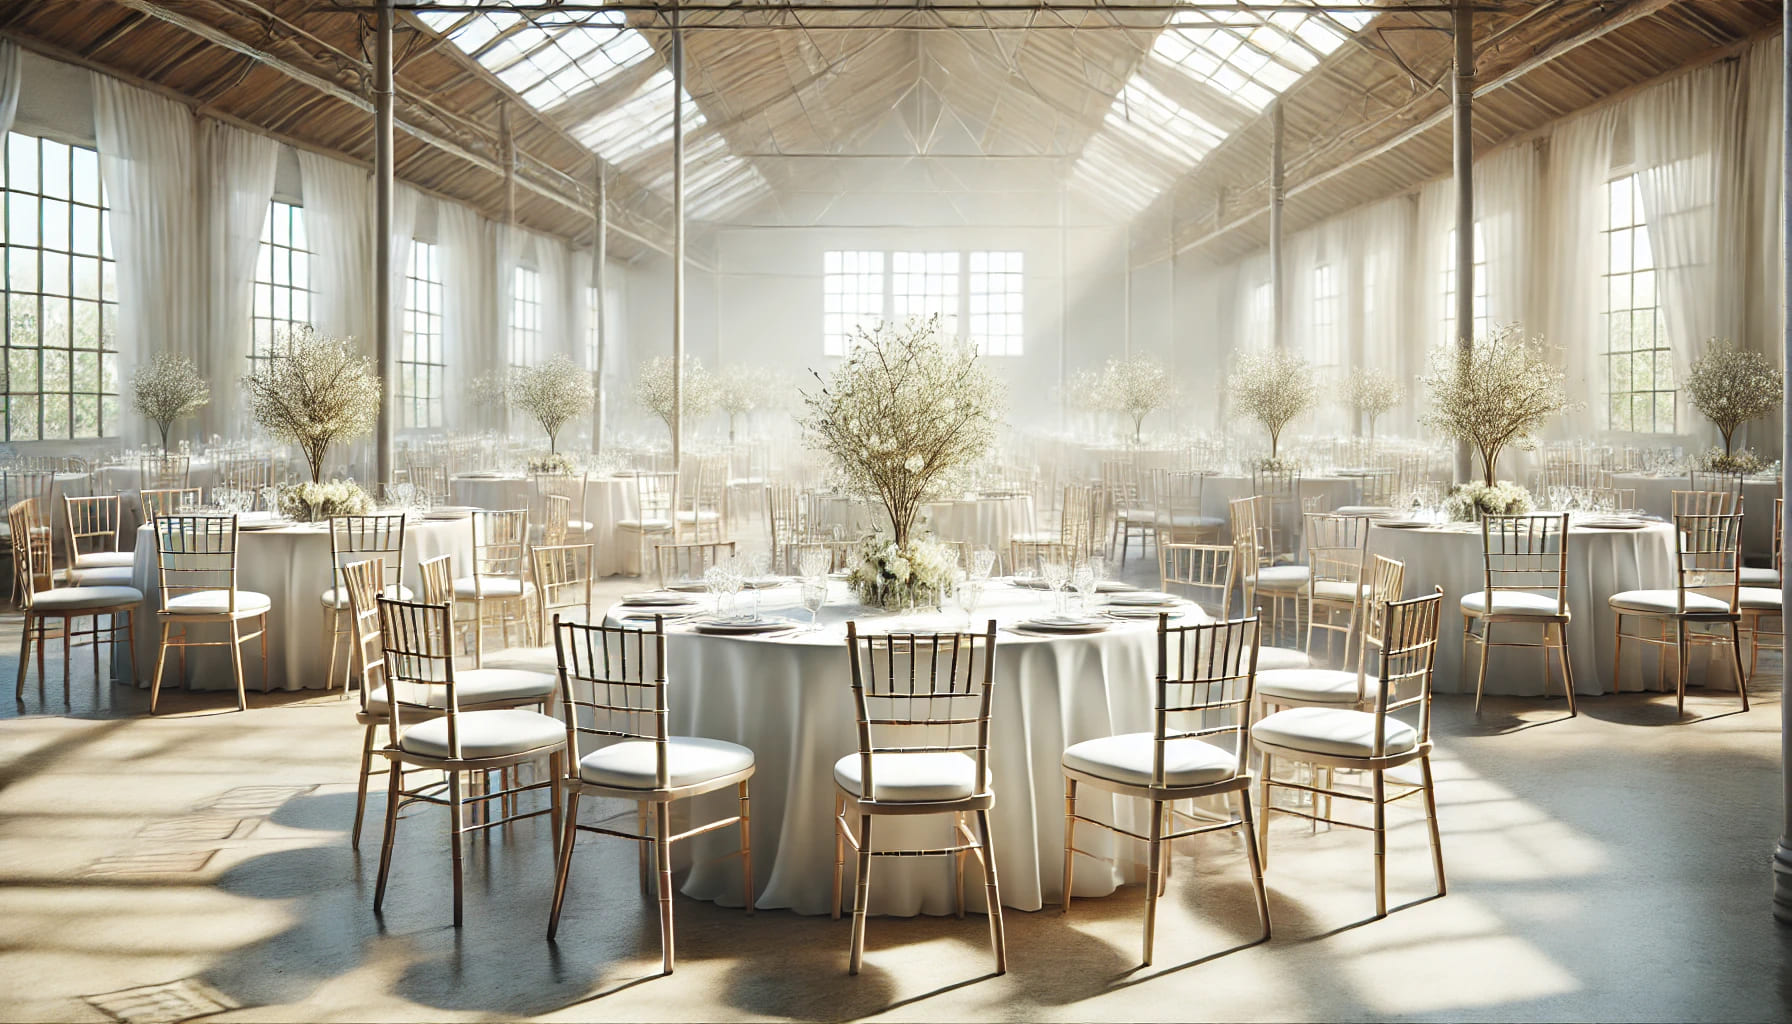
column 25, row 659
column 1381, row 843
column 662, row 843
column 155, row 685
column 265, row 682
column 361, row 786
column 569, row 832
column 1481, row 674
column 992, row 891
column 1263, row 822
column 1437, row 842
column 1683, row 661
column 1155, row 852
column 1567, row 666
column 335, row 642
column 839, row 849
column 130, row 639
column 861, row 895
column 958, row 867
column 1069, row 838
column 394, row 793
column 478, row 633
column 1617, row 651
column 1736, row 658
column 1251, row 854
column 746, row 846
column 236, row 664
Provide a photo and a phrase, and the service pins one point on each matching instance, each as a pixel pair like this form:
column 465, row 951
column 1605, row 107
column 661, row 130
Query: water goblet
column 812, row 562
column 1055, row 574
column 983, row 562
column 815, row 594
column 1084, row 580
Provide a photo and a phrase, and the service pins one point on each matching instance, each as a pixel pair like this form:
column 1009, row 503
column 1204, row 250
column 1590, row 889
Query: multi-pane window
column 996, row 293
column 925, row 284
column 61, row 294
column 421, row 368
column 1480, row 322
column 1258, row 314
column 282, row 278
column 525, row 318
column 1328, row 326
column 852, row 297
column 1639, row 372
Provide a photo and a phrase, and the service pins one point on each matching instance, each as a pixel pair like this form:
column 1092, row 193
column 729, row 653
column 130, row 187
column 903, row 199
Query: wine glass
column 983, row 562
column 813, row 562
column 1083, row 579
column 815, row 594
column 715, row 581
column 970, row 595
column 1055, row 574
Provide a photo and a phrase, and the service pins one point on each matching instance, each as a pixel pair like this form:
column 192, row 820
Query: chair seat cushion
column 702, row 516
column 690, row 761
column 1334, row 731
column 1282, row 578
column 1512, row 602
column 911, row 777
column 644, row 525
column 100, row 576
column 1663, row 602
column 216, row 602
column 477, row 686
column 485, row 734
column 338, row 597
column 1759, row 576
column 1760, row 599
column 1339, row 590
column 1127, row 759
column 1270, row 659
column 1362, row 510
column 69, row 599
column 492, row 586
column 1190, row 520
column 1314, row 685
column 1036, row 537
column 104, row 559
column 1137, row 515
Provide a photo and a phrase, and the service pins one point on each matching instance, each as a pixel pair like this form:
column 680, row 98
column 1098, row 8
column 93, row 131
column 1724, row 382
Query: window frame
column 266, row 322
column 431, row 369
column 1660, row 350
column 861, row 286
column 521, row 338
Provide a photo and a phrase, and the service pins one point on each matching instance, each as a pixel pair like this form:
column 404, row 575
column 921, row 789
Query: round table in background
column 1655, row 495
column 988, row 521
column 608, row 500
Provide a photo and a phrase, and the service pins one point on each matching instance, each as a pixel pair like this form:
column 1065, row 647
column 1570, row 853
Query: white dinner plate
column 1029, row 582
column 1113, row 587
column 739, row 627
column 1401, row 524
column 657, row 599
column 1620, row 523
column 1145, row 611
column 764, row 583
column 1066, row 624
column 689, row 587
column 1143, row 597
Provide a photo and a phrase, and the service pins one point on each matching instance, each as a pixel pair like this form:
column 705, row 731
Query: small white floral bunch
column 1467, row 503
column 1731, row 386
column 1716, row 460
column 316, row 502
column 553, row 394
column 553, row 462
column 887, row 575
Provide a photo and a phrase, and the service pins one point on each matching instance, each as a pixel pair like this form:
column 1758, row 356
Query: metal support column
column 1782, row 854
column 382, row 239
column 1463, row 27
column 600, row 258
column 677, row 241
column 1277, row 195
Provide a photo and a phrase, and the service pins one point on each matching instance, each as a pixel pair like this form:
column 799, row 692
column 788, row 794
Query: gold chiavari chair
column 431, row 478
column 573, row 488
column 500, row 539
column 1280, row 488
column 352, row 539
column 838, row 553
column 1706, row 503
column 1525, row 582
column 683, row 563
column 1333, row 687
column 245, row 472
column 1759, row 599
column 92, row 542
column 40, row 603
column 700, row 512
column 433, row 725
column 1706, row 584
column 1077, row 513
column 923, row 706
column 1207, row 569
column 1728, row 482
column 164, row 472
column 196, row 568
column 1283, row 585
column 655, row 496
column 437, row 576
column 1126, row 507
column 613, row 694
column 34, row 486
column 1337, row 567
column 783, row 521
column 1197, row 748
column 169, row 501
column 1763, row 575
column 1026, row 556
column 1372, row 741
column 563, row 581
column 556, row 519
column 1178, row 497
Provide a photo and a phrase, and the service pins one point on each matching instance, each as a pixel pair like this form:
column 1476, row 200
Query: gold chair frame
column 1522, row 554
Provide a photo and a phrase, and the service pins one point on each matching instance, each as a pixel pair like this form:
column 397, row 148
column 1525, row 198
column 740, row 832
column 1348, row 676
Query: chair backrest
column 431, row 478
column 30, row 561
column 1177, row 497
column 499, row 540
column 1706, row 502
column 613, row 687
column 571, row 486
column 1205, row 678
column 245, row 472
column 922, row 693
column 363, row 580
column 1207, row 568
column 563, row 576
column 1408, row 654
column 33, row 485
column 168, row 501
column 417, row 645
column 437, row 575
column 353, row 538
column 556, row 519
column 655, row 494
column 164, row 472
column 1708, row 557
column 1379, row 487
column 1028, row 555
column 675, row 562
column 196, row 553
column 1705, row 480
column 1337, row 547
column 783, row 519
column 93, row 519
column 1527, row 553
column 837, row 553
column 1076, row 517
column 1252, row 534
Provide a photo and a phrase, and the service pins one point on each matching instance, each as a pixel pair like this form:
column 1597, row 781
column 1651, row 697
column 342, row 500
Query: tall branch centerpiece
column 552, row 394
column 1134, row 387
column 313, row 392
column 653, row 389
column 1371, row 393
column 745, row 390
column 1729, row 387
column 170, row 388
column 1272, row 386
column 904, row 416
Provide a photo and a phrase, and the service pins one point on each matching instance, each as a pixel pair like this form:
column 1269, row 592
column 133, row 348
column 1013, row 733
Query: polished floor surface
column 1614, row 865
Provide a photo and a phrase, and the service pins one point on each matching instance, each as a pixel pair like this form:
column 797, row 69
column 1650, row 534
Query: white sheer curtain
column 146, row 162
column 1763, row 70
column 1379, row 237
column 1431, row 258
column 9, row 84
column 239, row 182
column 1506, row 194
column 1685, row 133
column 339, row 222
column 1573, row 284
column 554, row 261
column 470, row 323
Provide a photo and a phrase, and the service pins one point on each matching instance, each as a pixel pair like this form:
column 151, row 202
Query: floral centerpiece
column 316, row 502
column 553, row 394
column 1272, row 386
column 745, row 390
column 1467, row 503
column 488, row 396
column 313, row 391
column 1134, row 387
column 698, row 390
column 553, row 463
column 905, row 416
column 1371, row 393
column 1498, row 393
column 1717, row 460
column 1731, row 387
column 170, row 388
column 888, row 576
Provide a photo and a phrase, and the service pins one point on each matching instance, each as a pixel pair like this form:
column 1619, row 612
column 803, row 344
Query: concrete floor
column 1611, row 866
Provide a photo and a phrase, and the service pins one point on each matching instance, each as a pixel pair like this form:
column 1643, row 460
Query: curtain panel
column 9, row 84
column 239, row 184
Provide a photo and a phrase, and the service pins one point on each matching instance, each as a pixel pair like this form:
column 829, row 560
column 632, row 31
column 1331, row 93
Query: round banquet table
column 989, row 521
column 608, row 499
column 291, row 565
column 1655, row 495
column 1219, row 491
column 1601, row 562
column 788, row 698
column 126, row 481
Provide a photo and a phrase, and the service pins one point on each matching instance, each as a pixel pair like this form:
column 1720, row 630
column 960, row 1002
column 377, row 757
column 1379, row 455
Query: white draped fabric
column 1506, row 197
column 554, row 262
column 1379, row 237
column 9, row 84
column 470, row 323
column 1763, row 83
column 146, row 162
column 1580, row 157
column 239, row 169
column 339, row 222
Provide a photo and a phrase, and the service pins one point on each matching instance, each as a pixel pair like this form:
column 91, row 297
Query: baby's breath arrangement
column 316, row 502
column 1731, row 387
column 488, row 395
column 1469, row 502
column 1716, row 460
column 1371, row 392
column 553, row 394
column 744, row 390
column 1272, row 386
column 1496, row 394
column 890, row 575
column 1136, row 387
column 553, row 463
column 312, row 392
column 654, row 389
column 170, row 388
column 905, row 416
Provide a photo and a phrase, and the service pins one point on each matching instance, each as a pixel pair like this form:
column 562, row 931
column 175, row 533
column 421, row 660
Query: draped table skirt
column 788, row 699
column 985, row 522
column 608, row 500
column 1655, row 495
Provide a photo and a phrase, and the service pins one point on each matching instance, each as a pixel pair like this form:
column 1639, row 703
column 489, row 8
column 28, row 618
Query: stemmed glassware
column 1083, row 579
column 983, row 562
column 1056, row 574
column 815, row 594
column 812, row 563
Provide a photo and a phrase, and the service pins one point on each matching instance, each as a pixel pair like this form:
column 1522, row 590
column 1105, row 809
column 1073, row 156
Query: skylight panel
column 639, row 123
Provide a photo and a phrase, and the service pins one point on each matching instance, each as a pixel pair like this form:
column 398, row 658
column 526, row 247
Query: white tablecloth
column 608, row 499
column 291, row 565
column 1600, row 563
column 1655, row 495
column 1218, row 492
column 789, row 700
column 126, row 481
column 989, row 522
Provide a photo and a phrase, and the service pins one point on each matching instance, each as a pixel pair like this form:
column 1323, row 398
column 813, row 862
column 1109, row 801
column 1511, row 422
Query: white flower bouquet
column 1717, row 460
column 314, row 502
column 1467, row 503
column 885, row 574
column 553, row 462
